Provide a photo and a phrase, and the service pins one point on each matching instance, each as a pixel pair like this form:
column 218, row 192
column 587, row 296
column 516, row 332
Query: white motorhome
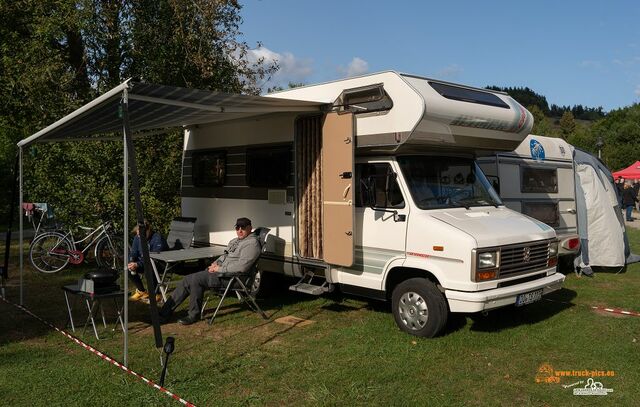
column 538, row 180
column 378, row 195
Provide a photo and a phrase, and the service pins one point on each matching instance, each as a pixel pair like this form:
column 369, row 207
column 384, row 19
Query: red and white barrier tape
column 102, row 355
column 617, row 311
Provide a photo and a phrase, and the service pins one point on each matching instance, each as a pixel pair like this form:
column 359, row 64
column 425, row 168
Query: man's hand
column 132, row 266
column 213, row 267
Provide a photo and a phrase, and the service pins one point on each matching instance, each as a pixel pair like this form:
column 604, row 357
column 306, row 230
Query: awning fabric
column 153, row 107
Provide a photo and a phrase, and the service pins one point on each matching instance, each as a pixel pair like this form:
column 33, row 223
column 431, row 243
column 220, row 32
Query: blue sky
column 573, row 52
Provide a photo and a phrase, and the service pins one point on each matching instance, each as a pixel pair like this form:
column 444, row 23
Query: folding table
column 93, row 303
column 172, row 258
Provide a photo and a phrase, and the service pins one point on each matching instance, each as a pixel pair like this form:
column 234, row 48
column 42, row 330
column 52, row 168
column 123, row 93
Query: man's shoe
column 188, row 320
column 139, row 295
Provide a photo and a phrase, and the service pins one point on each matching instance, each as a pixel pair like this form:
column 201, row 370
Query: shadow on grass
column 512, row 316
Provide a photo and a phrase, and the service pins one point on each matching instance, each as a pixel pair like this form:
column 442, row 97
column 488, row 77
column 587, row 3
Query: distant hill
column 527, row 97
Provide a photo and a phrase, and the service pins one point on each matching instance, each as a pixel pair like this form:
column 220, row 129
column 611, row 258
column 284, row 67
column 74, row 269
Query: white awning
column 154, row 107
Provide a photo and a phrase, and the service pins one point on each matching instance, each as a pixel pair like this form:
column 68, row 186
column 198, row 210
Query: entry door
column 338, row 139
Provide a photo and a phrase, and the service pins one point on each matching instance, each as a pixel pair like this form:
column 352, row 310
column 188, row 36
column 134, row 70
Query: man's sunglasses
column 241, row 227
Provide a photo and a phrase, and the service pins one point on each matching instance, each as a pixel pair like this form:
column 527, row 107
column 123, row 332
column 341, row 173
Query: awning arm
column 113, row 93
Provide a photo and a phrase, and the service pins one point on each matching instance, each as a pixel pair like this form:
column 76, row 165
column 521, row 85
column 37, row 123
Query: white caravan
column 538, row 179
column 379, row 195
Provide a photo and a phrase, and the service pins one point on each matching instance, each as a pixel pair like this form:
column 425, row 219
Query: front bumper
column 461, row 301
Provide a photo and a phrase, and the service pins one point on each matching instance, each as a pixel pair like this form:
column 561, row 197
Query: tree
column 56, row 56
column 567, row 125
column 541, row 125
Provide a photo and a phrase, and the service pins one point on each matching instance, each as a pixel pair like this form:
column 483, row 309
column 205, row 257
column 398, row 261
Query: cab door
column 338, row 140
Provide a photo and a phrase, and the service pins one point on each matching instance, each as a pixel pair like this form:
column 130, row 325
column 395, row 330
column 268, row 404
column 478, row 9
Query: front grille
column 523, row 258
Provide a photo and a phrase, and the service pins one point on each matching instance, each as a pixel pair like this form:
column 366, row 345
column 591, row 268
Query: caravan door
column 338, row 140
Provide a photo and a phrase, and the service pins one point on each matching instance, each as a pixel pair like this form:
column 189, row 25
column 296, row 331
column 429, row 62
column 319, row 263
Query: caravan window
column 208, row 168
column 468, row 95
column 536, row 180
column 546, row 212
column 388, row 194
column 269, row 167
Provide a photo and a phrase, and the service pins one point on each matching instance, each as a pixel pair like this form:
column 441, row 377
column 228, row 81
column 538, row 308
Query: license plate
column 528, row 298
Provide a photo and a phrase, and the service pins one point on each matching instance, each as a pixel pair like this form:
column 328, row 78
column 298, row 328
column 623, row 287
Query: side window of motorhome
column 208, row 168
column 269, row 167
column 387, row 190
column 536, row 180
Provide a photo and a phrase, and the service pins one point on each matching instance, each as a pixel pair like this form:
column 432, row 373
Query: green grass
column 352, row 353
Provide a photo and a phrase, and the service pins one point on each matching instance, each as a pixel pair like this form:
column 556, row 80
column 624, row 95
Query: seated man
column 240, row 254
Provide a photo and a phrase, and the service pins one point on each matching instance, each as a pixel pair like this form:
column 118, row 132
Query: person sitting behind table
column 241, row 253
column 156, row 243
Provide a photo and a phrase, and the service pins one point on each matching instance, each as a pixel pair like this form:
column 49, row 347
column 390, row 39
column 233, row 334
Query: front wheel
column 49, row 252
column 109, row 252
column 419, row 308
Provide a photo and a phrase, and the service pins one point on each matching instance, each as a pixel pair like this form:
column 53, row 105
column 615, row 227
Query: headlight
column 487, row 260
column 553, row 249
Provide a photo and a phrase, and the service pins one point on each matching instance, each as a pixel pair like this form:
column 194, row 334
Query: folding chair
column 181, row 233
column 240, row 283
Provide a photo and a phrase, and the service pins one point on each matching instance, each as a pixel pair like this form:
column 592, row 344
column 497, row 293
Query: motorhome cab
column 538, row 180
column 378, row 193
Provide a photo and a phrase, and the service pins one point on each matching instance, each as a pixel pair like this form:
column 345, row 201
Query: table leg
column 104, row 321
column 91, row 309
column 119, row 311
column 66, row 298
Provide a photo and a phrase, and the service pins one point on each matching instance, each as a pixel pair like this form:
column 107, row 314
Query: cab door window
column 387, row 191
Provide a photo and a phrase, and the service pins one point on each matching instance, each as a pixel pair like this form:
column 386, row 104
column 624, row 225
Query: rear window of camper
column 208, row 168
column 269, row 167
column 546, row 212
column 468, row 95
column 536, row 180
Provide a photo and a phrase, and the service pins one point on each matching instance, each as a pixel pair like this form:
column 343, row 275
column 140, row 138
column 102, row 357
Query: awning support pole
column 135, row 186
column 21, row 225
column 125, row 239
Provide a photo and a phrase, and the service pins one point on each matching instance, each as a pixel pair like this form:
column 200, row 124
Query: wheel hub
column 413, row 310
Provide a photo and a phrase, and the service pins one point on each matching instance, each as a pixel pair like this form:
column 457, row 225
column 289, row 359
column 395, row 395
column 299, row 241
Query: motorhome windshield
column 447, row 182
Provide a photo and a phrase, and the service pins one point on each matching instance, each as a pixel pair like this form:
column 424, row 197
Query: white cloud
column 291, row 68
column 357, row 66
column 452, row 71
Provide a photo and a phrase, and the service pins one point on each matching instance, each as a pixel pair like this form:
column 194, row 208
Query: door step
column 305, row 285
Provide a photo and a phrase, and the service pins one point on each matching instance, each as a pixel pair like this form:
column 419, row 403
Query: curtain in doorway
column 309, row 185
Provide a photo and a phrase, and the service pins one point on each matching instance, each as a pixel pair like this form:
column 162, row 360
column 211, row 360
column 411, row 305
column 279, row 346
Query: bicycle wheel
column 48, row 252
column 109, row 252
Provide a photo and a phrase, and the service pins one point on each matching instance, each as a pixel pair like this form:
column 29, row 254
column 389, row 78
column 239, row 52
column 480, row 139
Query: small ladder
column 307, row 284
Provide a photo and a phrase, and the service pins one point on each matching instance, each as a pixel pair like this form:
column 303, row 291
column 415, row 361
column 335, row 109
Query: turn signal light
column 552, row 261
column 485, row 275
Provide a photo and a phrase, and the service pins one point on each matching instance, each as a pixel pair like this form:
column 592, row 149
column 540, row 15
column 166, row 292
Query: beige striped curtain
column 309, row 185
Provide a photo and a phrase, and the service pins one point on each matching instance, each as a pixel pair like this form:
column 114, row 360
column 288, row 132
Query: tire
column 40, row 255
column 419, row 308
column 105, row 257
column 262, row 284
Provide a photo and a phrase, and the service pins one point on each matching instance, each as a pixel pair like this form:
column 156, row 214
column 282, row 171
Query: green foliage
column 525, row 96
column 567, row 125
column 56, row 56
column 541, row 124
column 620, row 132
